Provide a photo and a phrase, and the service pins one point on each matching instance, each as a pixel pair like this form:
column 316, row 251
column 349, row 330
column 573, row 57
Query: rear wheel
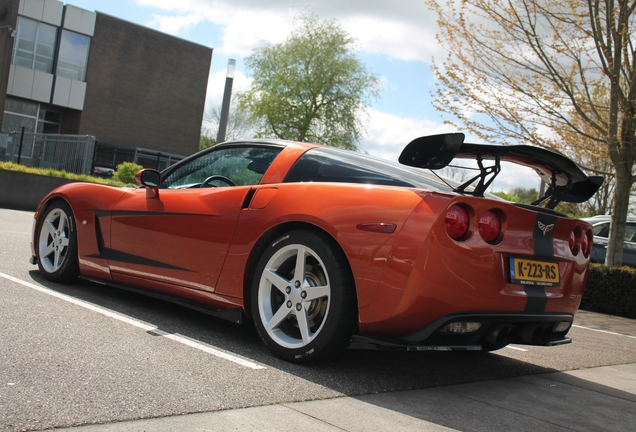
column 56, row 244
column 303, row 300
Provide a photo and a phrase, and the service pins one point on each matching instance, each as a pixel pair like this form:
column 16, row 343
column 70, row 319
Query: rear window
column 334, row 165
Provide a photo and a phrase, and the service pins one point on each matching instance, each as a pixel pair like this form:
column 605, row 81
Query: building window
column 49, row 121
column 32, row 116
column 35, row 45
column 73, row 56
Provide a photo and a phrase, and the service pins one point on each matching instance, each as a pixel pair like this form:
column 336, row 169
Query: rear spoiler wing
column 565, row 180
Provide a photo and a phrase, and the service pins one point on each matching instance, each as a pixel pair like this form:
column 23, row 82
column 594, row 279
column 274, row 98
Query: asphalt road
column 85, row 353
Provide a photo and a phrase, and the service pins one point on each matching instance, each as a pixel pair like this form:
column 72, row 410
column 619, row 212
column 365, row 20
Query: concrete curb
column 24, row 191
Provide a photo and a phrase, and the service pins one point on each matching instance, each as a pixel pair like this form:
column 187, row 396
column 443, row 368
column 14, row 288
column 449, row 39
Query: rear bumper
column 495, row 331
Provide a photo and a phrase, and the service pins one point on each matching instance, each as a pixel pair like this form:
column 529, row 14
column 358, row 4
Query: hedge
column 611, row 290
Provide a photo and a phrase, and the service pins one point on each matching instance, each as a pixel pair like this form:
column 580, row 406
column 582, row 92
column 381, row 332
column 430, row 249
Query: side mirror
column 151, row 179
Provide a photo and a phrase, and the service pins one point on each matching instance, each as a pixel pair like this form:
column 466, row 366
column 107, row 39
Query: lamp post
column 227, row 95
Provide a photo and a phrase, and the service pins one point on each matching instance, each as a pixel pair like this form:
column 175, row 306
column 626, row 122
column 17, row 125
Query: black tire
column 324, row 298
column 56, row 244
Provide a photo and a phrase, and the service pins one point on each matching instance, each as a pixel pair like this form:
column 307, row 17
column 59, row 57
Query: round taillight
column 586, row 243
column 489, row 226
column 456, row 222
column 574, row 245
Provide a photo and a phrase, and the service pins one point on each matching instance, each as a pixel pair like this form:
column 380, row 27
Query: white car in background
column 601, row 226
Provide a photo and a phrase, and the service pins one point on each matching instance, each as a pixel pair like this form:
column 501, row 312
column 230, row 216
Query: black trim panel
column 491, row 317
column 114, row 255
column 233, row 315
column 102, row 213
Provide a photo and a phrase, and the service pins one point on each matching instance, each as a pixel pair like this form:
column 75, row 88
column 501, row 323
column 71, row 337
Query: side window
column 602, row 230
column 235, row 166
column 316, row 167
column 630, row 230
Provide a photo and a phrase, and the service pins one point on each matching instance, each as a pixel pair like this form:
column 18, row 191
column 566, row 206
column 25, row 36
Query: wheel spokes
column 54, row 240
column 58, row 258
column 280, row 316
column 61, row 226
column 303, row 325
column 301, row 259
column 50, row 248
column 314, row 293
column 294, row 295
column 279, row 282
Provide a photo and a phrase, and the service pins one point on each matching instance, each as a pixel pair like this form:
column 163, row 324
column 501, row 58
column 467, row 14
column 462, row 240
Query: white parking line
column 139, row 324
column 604, row 331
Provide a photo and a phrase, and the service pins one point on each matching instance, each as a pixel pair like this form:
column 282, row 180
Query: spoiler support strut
column 484, row 181
column 566, row 182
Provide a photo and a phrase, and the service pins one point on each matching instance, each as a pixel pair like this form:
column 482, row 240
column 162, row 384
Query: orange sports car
column 325, row 249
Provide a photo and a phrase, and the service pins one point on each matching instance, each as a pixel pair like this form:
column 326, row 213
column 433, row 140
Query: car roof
column 605, row 218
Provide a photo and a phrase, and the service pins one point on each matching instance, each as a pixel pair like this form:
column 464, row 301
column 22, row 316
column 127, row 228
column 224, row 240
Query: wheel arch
column 68, row 268
column 267, row 238
column 44, row 206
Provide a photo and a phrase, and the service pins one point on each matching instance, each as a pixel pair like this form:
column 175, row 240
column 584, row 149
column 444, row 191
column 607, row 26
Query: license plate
column 532, row 272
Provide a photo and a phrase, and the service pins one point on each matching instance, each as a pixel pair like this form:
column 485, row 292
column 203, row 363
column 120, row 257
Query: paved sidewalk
column 598, row 399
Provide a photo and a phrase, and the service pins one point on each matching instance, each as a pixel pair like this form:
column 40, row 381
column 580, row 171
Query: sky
column 395, row 40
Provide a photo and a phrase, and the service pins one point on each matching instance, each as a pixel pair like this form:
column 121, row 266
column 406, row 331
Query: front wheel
column 56, row 244
column 303, row 298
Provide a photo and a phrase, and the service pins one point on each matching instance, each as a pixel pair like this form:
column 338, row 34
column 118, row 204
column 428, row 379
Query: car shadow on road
column 357, row 372
column 556, row 401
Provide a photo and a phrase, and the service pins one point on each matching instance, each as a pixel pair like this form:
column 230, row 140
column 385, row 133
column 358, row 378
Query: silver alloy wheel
column 53, row 240
column 293, row 296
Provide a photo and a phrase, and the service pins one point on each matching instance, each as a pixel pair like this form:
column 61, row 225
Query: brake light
column 573, row 243
column 456, row 222
column 489, row 226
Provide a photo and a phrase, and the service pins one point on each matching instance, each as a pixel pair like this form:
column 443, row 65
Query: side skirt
column 233, row 315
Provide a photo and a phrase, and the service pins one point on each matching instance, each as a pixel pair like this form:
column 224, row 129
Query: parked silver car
column 601, row 226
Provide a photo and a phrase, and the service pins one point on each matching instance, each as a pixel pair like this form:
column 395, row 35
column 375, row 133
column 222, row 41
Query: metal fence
column 71, row 153
column 109, row 156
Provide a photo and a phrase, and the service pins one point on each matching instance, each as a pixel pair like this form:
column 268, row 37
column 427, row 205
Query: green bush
column 611, row 290
column 126, row 171
column 10, row 166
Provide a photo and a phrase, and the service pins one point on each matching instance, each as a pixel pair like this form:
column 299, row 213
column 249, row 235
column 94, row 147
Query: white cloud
column 393, row 38
column 387, row 134
column 216, row 87
column 174, row 24
column 251, row 28
column 400, row 29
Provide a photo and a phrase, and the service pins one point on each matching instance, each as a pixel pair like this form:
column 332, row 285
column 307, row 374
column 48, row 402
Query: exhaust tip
column 546, row 334
column 513, row 333
column 497, row 335
column 532, row 333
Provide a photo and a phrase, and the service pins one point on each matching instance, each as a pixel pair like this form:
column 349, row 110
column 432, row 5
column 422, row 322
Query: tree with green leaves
column 557, row 74
column 311, row 87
